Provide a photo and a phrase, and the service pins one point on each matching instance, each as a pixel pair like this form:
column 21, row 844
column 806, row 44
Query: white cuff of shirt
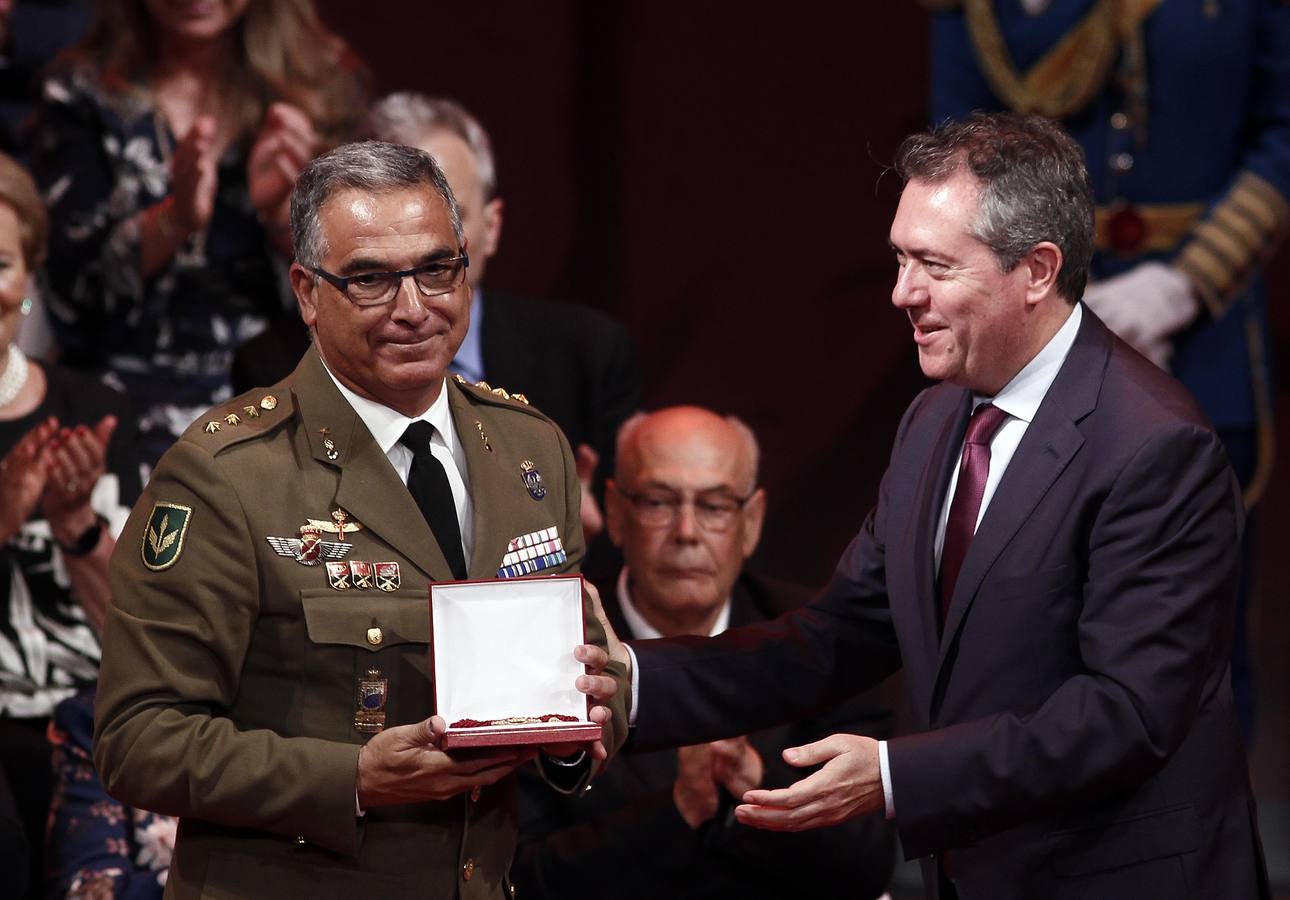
column 636, row 687
column 884, row 768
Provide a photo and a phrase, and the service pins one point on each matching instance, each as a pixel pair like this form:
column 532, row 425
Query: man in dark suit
column 1052, row 559
column 686, row 511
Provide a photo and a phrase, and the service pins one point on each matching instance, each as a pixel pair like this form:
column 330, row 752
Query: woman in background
column 68, row 477
column 168, row 143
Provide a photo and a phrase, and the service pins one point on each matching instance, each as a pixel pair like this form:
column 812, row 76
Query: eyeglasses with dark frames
column 714, row 511
column 379, row 288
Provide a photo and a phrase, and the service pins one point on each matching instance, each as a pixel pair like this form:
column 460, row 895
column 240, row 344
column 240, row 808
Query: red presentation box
column 503, row 650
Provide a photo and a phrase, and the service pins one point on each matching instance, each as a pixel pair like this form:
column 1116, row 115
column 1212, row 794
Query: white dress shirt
column 387, row 426
column 1020, row 399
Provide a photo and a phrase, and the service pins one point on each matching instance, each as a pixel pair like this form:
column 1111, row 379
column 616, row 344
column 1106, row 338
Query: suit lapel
column 930, row 499
column 369, row 489
column 1050, row 443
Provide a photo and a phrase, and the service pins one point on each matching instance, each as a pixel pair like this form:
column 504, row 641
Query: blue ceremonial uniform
column 1217, row 124
column 1183, row 111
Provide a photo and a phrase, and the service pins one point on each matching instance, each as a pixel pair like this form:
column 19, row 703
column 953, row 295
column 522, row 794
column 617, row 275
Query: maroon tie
column 961, row 524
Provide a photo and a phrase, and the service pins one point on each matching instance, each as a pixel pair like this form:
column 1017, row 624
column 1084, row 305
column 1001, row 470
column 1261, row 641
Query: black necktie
column 429, row 486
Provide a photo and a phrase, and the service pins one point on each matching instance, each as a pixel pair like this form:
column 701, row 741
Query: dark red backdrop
column 715, row 180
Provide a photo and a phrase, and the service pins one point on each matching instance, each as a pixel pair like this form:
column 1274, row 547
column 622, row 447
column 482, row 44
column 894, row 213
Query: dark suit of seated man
column 1052, row 560
column 686, row 512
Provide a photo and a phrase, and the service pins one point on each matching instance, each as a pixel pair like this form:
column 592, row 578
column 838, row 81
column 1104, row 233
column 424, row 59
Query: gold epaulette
column 495, row 391
column 1240, row 232
column 241, row 417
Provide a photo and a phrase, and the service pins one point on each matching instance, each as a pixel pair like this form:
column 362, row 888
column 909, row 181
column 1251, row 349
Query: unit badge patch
column 163, row 538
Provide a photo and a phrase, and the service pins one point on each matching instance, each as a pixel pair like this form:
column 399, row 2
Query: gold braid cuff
column 1240, row 232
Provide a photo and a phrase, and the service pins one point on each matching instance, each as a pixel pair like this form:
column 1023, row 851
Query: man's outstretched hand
column 848, row 785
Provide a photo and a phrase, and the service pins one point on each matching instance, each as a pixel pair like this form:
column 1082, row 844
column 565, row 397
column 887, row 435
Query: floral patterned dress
column 98, row 848
column 167, row 341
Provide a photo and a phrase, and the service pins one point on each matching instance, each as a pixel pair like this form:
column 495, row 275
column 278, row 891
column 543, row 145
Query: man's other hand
column 849, row 785
column 404, row 764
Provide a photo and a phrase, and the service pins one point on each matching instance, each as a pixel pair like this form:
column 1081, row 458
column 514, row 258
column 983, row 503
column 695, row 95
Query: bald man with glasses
column 267, row 670
column 685, row 509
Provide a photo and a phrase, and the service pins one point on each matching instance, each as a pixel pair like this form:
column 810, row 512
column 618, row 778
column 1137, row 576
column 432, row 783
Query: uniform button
column 468, row 870
column 300, row 840
column 375, row 636
column 1122, row 162
column 1119, row 121
column 474, row 794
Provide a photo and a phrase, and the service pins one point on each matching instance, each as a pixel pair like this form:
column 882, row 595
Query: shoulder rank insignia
column 309, row 549
column 163, row 538
column 532, row 479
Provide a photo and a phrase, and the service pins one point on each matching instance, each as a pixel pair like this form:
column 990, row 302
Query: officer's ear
column 304, row 284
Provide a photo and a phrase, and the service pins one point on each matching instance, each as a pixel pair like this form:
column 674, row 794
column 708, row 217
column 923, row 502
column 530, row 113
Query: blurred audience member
column 1183, row 113
column 574, row 363
column 32, row 32
column 67, row 480
column 97, row 847
column 168, row 143
column 686, row 511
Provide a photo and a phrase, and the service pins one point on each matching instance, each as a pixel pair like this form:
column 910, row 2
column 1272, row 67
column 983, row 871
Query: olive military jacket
column 233, row 664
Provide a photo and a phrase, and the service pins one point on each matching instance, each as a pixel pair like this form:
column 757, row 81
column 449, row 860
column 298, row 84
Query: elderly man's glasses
column 715, row 511
column 379, row 288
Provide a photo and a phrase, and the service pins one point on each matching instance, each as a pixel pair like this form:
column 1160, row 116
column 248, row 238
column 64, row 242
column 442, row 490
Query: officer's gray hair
column 372, row 166
column 627, row 434
column 407, row 117
column 1034, row 186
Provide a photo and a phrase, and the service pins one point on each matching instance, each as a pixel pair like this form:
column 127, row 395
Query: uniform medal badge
column 387, row 576
column 533, row 552
column 338, row 575
column 163, row 537
column 360, row 575
column 532, row 479
column 309, row 549
column 373, row 690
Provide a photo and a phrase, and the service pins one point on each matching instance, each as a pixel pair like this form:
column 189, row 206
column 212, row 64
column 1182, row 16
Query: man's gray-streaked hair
column 1034, row 186
column 627, row 432
column 373, row 166
column 408, row 117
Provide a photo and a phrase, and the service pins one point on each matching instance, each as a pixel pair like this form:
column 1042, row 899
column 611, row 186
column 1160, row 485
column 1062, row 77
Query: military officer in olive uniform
column 266, row 672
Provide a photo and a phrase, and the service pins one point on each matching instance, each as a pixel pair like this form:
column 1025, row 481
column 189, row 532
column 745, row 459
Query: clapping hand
column 23, row 473
column 285, row 144
column 77, row 460
column 194, row 176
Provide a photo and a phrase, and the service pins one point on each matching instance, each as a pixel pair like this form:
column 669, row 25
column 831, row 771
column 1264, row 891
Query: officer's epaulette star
column 485, row 389
column 242, row 417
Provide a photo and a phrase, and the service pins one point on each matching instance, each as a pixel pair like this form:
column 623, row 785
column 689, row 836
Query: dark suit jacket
column 573, row 363
column 1076, row 734
column 627, row 832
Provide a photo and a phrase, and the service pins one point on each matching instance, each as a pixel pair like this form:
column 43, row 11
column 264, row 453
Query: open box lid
column 503, row 649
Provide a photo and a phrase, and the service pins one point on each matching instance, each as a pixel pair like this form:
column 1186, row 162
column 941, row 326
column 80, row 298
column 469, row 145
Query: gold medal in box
column 504, row 668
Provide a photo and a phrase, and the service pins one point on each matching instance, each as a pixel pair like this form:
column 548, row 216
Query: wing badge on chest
column 309, row 549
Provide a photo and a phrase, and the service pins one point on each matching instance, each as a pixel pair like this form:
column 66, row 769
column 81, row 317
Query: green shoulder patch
column 163, row 539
